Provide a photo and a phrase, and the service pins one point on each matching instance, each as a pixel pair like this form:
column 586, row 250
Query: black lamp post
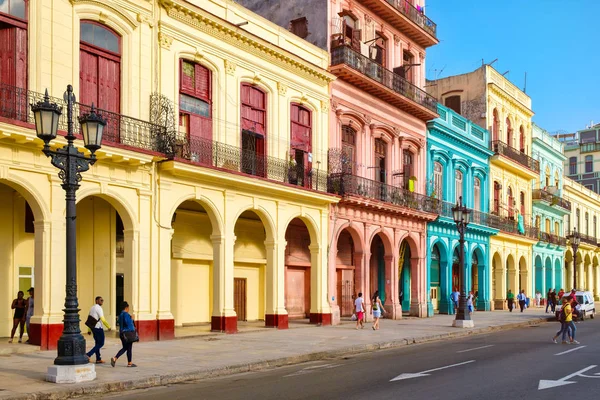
column 575, row 239
column 71, row 163
column 462, row 217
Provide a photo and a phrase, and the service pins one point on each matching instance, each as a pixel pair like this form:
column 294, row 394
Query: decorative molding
column 396, row 39
column 257, row 78
column 103, row 16
column 165, row 41
column 281, row 89
column 144, row 19
column 204, row 22
column 230, row 67
column 324, row 106
column 199, row 55
column 368, row 19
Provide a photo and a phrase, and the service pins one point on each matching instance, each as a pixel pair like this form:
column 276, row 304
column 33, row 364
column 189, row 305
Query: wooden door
column 13, row 72
column 296, row 292
column 239, row 298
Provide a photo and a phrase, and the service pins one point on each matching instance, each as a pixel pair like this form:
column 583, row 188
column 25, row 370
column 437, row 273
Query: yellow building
column 492, row 101
column 208, row 203
column 585, row 212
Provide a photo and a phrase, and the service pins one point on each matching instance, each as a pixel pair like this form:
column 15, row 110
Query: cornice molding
column 228, row 33
column 134, row 23
column 512, row 103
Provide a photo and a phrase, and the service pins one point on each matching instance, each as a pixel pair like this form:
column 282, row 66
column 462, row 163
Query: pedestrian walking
column 563, row 327
column 94, row 324
column 549, row 302
column 510, row 299
column 359, row 305
column 470, row 301
column 561, row 292
column 29, row 313
column 522, row 298
column 454, row 296
column 127, row 334
column 554, row 300
column 20, row 306
column 538, row 298
column 377, row 309
column 569, row 323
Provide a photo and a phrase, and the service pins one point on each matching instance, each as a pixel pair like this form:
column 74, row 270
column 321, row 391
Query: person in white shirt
column 359, row 305
column 97, row 313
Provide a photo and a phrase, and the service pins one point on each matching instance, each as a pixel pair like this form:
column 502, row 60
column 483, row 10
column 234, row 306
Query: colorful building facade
column 492, row 101
column 377, row 155
column 549, row 210
column 458, row 167
column 208, row 204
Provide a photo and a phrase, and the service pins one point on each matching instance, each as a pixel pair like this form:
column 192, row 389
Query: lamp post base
column 463, row 323
column 71, row 373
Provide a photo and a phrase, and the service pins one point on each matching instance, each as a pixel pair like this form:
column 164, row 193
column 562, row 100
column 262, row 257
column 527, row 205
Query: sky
column 556, row 42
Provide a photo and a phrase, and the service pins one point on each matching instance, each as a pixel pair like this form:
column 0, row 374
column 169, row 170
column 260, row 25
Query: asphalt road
column 513, row 364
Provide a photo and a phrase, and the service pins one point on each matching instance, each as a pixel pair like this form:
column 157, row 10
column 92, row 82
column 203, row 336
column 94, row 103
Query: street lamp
column 575, row 239
column 462, row 217
column 71, row 163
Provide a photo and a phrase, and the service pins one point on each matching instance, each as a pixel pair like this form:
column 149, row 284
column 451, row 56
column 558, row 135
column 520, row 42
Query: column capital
column 218, row 239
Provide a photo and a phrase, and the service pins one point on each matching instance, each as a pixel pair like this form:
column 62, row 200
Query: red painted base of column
column 45, row 335
column 147, row 330
column 279, row 321
column 323, row 319
column 166, row 329
column 223, row 324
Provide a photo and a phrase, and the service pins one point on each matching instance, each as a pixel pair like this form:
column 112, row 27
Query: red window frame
column 253, row 106
column 16, row 21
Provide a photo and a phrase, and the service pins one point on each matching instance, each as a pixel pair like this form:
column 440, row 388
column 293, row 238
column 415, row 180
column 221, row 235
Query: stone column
column 276, row 315
column 224, row 318
column 392, row 303
column 320, row 312
column 418, row 302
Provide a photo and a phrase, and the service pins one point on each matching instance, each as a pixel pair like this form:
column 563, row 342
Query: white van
column 586, row 306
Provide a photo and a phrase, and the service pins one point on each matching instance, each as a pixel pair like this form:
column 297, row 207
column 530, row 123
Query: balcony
column 588, row 239
column 213, row 154
column 553, row 239
column 589, row 147
column 382, row 83
column 551, row 199
column 505, row 150
column 402, row 15
column 351, row 185
column 120, row 131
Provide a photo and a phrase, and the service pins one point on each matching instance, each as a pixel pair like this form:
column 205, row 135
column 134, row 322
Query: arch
column 264, row 216
column 523, row 274
column 206, row 203
column 412, row 243
column 385, row 238
column 115, row 199
column 354, row 233
column 310, row 223
column 120, row 22
column 31, row 194
column 350, row 115
column 442, row 247
column 498, row 281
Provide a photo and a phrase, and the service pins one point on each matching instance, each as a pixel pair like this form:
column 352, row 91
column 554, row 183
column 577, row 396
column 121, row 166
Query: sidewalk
column 22, row 374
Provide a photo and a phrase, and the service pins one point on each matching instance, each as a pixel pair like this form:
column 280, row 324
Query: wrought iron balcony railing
column 541, row 194
column 120, row 129
column 588, row 239
column 210, row 153
column 554, row 239
column 416, row 16
column 346, row 184
column 366, row 66
column 502, row 148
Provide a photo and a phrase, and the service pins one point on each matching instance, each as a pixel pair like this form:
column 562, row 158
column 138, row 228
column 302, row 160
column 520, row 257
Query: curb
column 89, row 389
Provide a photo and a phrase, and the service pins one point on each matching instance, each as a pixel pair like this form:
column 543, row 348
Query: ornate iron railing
column 541, row 194
column 210, row 153
column 416, row 16
column 346, row 184
column 502, row 148
column 588, row 239
column 366, row 66
column 120, row 129
column 554, row 239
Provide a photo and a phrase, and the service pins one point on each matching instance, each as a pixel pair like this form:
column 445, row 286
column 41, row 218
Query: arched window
column 301, row 144
column 254, row 120
column 438, row 180
column 195, row 103
column 458, row 181
column 522, row 139
column 100, row 72
column 556, row 180
column 547, row 176
column 547, row 227
column 495, row 126
column 13, row 59
column 511, row 202
column 476, row 194
column 509, row 133
column 348, row 149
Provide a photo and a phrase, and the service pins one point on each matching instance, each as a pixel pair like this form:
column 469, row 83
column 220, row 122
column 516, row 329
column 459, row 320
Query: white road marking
column 546, row 384
column 308, row 370
column 476, row 348
column 426, row 373
column 568, row 351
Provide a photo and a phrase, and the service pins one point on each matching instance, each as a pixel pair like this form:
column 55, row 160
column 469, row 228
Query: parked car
column 586, row 306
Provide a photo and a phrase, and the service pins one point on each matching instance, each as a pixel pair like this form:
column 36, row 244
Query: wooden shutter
column 21, row 57
column 356, row 36
column 88, row 78
column 109, row 85
column 187, row 74
column 202, row 82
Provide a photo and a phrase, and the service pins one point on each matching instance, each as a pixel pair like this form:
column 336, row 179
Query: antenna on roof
column 525, row 87
column 506, row 72
column 490, row 64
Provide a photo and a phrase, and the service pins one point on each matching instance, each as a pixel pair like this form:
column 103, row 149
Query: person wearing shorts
column 359, row 305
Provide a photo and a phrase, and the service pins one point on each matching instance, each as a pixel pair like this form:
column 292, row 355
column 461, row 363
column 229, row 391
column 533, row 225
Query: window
column 556, row 180
column 568, row 222
column 589, row 163
column 572, row 165
column 547, row 177
column 407, row 63
column 348, row 149
column 377, row 50
column 299, row 27
column 195, row 106
column 29, row 226
column 547, row 227
column 522, row 201
column 477, row 194
column 537, row 222
column 495, row 126
column 587, row 224
column 301, row 144
column 595, row 231
column 577, row 215
column 438, row 179
column 522, row 139
column 511, row 202
column 100, row 72
column 350, row 32
column 453, row 103
column 407, row 168
column 380, row 153
column 13, row 57
column 496, row 205
column 509, row 134
column 557, row 228
column 458, row 181
column 254, row 117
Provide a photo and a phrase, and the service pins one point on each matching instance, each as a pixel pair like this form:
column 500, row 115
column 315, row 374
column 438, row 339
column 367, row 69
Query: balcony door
column 13, row 59
column 301, row 145
column 100, row 74
column 253, row 130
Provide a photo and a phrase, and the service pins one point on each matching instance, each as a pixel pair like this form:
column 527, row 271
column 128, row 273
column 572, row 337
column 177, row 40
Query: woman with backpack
column 127, row 334
column 377, row 310
column 564, row 325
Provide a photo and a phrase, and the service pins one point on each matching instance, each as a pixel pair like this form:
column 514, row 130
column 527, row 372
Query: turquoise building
column 549, row 209
column 458, row 166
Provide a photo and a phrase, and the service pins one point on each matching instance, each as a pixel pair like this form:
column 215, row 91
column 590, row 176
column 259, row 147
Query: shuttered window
column 13, row 58
column 195, row 101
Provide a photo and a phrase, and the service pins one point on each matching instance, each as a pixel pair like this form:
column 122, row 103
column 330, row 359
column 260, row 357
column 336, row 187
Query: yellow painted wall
column 255, row 289
column 191, row 296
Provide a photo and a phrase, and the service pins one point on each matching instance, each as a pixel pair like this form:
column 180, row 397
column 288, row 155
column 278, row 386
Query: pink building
column 377, row 144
